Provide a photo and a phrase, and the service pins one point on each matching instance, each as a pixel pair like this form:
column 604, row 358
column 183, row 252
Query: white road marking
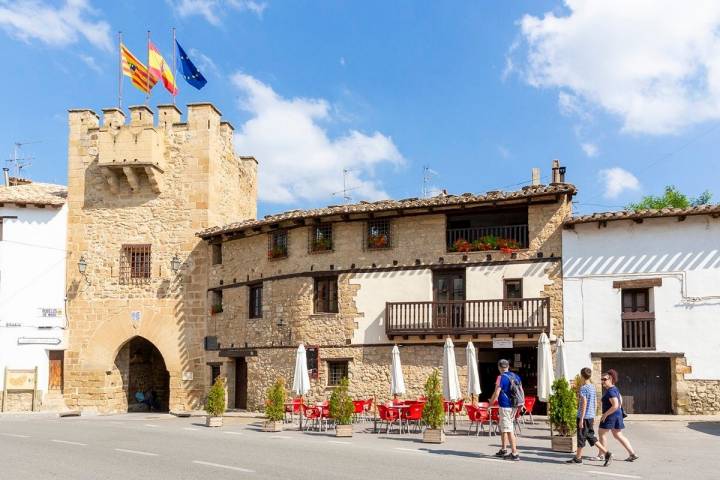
column 619, row 475
column 68, row 442
column 280, row 436
column 150, row 425
column 491, row 459
column 191, row 429
column 232, row 433
column 14, row 435
column 339, row 442
column 220, row 465
column 136, row 452
column 409, row 450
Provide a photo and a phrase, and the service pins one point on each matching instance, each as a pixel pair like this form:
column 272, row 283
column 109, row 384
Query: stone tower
column 138, row 193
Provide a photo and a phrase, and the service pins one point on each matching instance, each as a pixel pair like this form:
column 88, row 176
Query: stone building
column 641, row 296
column 138, row 192
column 351, row 281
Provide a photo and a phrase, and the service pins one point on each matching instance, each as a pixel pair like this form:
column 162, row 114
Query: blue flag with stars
column 191, row 74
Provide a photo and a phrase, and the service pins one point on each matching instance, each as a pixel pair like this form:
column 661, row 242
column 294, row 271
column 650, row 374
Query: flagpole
column 147, row 94
column 120, row 70
column 174, row 65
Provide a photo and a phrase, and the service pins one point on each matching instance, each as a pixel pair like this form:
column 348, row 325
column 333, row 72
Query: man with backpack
column 510, row 396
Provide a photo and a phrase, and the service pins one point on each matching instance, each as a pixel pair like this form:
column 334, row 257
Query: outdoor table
column 490, row 409
column 400, row 409
column 450, row 409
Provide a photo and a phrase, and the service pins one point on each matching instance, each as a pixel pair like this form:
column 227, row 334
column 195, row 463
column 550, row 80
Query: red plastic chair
column 413, row 414
column 388, row 416
column 313, row 416
column 528, row 408
column 397, row 401
column 359, row 409
column 478, row 417
column 294, row 408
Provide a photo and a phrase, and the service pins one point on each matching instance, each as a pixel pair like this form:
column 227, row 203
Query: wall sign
column 502, row 343
column 187, row 376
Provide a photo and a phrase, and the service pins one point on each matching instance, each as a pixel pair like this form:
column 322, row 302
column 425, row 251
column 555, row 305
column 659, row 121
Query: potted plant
column 433, row 413
column 217, row 308
column 461, row 245
column 275, row 407
column 277, row 252
column 342, row 409
column 377, row 240
column 321, row 245
column 215, row 405
column 562, row 414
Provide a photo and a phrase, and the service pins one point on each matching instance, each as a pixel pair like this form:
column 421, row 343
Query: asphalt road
column 145, row 446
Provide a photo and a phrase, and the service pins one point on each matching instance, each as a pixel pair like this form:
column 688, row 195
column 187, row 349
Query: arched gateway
column 143, row 375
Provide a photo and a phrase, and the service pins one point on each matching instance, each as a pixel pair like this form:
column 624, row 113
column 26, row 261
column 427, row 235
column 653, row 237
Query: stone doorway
column 143, row 374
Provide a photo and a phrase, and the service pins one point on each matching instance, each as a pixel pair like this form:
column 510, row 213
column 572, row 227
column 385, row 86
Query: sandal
column 599, row 458
column 632, row 458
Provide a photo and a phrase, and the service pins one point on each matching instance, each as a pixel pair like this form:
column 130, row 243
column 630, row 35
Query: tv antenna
column 18, row 163
column 428, row 174
column 345, row 195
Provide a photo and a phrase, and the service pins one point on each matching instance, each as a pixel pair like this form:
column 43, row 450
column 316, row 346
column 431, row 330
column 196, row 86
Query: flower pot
column 433, row 435
column 272, row 426
column 213, row 421
column 343, row 430
column 563, row 444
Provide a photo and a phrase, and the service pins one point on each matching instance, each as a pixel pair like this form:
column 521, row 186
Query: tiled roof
column 389, row 205
column 641, row 214
column 34, row 194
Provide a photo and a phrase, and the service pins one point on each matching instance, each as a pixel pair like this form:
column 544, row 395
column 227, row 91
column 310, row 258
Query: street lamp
column 82, row 265
column 175, row 264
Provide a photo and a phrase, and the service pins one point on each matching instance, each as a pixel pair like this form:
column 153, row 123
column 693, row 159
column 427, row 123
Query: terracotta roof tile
column 387, row 205
column 641, row 214
column 34, row 193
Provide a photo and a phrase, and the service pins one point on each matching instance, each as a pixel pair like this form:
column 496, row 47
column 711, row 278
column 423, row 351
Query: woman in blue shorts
column 612, row 416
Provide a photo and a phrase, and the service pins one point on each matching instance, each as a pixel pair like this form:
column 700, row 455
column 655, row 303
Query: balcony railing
column 478, row 235
column 522, row 315
column 638, row 331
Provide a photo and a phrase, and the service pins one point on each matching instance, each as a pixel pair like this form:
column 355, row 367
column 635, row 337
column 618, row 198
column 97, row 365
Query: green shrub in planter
column 275, row 408
column 434, row 413
column 562, row 408
column 215, row 405
column 341, row 405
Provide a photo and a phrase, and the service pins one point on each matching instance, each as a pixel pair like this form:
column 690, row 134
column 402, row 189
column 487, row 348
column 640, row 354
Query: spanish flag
column 159, row 69
column 138, row 73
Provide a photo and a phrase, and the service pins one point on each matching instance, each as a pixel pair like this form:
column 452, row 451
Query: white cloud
column 590, row 149
column 617, row 181
column 56, row 26
column 203, row 62
column 653, row 63
column 90, row 62
column 342, row 61
column 504, row 152
column 214, row 10
column 298, row 159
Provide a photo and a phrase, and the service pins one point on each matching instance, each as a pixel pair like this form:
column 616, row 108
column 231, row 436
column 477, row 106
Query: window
column 321, row 239
column 214, row 373
column 135, row 263
column 312, row 354
column 216, row 302
column 635, row 300
column 512, row 288
column 278, row 244
column 216, row 249
column 337, row 370
column 255, row 296
column 326, row 295
column 638, row 321
column 378, row 234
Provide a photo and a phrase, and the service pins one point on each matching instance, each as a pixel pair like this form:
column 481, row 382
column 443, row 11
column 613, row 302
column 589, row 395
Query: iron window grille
column 326, row 295
column 379, row 235
column 337, row 370
column 278, row 244
column 135, row 263
column 255, row 297
column 321, row 238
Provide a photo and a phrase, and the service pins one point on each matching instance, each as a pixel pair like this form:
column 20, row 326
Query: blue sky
column 627, row 98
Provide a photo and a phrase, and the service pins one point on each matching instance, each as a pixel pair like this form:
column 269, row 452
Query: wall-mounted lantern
column 175, row 264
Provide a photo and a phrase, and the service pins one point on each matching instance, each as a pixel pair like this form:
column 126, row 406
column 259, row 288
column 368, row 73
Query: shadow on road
column 711, row 428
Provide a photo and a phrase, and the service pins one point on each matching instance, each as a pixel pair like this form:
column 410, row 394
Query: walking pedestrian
column 612, row 416
column 587, row 404
column 506, row 384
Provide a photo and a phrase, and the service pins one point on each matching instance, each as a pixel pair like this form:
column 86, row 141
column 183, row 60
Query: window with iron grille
column 326, row 290
column 255, row 296
column 321, row 238
column 278, row 244
column 135, row 263
column 337, row 370
column 378, row 234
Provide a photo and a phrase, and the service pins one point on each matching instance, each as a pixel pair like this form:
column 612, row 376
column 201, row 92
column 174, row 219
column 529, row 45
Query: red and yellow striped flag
column 138, row 73
column 159, row 69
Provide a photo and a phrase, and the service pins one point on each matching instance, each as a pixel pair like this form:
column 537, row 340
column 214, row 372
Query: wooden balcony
column 468, row 317
column 638, row 331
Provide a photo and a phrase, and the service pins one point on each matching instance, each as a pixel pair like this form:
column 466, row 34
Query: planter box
column 433, row 435
column 272, row 426
column 213, row 421
column 563, row 444
column 343, row 430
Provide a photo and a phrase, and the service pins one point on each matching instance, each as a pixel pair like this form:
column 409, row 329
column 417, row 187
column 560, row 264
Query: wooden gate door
column 449, row 296
column 240, row 383
column 643, row 382
column 56, row 369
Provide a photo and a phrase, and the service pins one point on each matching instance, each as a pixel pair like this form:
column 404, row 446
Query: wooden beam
column 639, row 283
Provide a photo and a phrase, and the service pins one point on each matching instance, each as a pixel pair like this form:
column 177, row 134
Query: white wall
column 686, row 255
column 481, row 283
column 32, row 277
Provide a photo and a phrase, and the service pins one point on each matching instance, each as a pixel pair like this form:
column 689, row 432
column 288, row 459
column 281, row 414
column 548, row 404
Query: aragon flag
column 189, row 71
column 159, row 69
column 134, row 68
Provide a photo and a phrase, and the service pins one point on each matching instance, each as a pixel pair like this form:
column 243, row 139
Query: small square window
column 512, row 289
column 278, row 244
column 216, row 253
column 255, row 297
column 321, row 238
column 378, row 235
column 337, row 370
column 326, row 295
column 135, row 263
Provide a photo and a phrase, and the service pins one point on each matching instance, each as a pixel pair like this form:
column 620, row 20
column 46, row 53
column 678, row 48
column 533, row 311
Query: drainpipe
column 6, row 175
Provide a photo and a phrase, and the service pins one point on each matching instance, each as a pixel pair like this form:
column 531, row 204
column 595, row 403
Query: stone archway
column 142, row 369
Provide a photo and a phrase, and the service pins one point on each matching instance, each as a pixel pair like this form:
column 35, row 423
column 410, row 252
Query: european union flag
column 189, row 71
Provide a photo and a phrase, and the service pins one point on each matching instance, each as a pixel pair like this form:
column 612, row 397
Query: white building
column 33, row 224
column 642, row 296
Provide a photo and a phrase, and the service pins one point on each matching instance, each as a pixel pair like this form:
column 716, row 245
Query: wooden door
column 643, row 382
column 56, row 369
column 449, row 295
column 240, row 383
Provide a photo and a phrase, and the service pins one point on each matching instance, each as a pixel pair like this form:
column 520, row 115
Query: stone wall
column 19, row 401
column 703, row 397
